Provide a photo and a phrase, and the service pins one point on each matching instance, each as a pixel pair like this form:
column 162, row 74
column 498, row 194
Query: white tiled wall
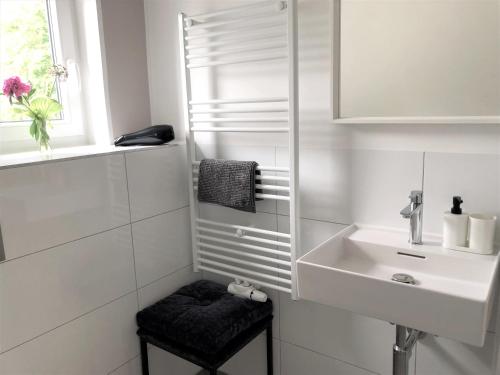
column 83, row 196
column 95, row 343
column 252, row 359
column 156, row 182
column 438, row 356
column 354, row 339
column 381, row 183
column 78, row 267
column 132, row 367
column 475, row 177
column 49, row 288
column 161, row 245
column 70, row 308
column 315, row 339
column 323, row 196
column 299, row 361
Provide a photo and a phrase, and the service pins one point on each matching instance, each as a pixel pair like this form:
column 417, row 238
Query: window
column 27, row 49
column 34, row 36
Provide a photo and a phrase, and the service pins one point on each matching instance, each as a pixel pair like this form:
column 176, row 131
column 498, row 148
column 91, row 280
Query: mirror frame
column 335, row 31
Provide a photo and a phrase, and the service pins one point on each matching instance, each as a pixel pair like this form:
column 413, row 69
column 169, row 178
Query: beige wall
column 125, row 43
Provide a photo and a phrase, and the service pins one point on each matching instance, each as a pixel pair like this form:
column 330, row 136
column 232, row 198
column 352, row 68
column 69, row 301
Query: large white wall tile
column 252, row 359
column 439, row 356
column 300, row 361
column 44, row 290
column 381, row 183
column 263, row 155
column 315, row 232
column 312, row 232
column 162, row 245
column 359, row 340
column 325, row 183
column 49, row 204
column 157, row 181
column 132, row 367
column 166, row 285
column 96, row 343
column 162, row 363
column 474, row 177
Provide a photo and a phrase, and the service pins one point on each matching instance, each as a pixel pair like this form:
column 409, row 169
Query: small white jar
column 482, row 233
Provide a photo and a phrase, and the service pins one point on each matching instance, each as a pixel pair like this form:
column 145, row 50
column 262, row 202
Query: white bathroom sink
column 452, row 295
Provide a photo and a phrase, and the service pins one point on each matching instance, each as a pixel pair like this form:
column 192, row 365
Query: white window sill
column 62, row 154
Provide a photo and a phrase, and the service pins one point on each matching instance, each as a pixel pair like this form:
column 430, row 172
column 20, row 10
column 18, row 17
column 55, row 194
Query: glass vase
column 44, row 140
column 45, row 149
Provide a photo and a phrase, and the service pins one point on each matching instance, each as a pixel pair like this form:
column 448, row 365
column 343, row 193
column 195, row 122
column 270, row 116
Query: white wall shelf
column 420, row 120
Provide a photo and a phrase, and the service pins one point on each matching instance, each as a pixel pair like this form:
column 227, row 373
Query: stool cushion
column 202, row 316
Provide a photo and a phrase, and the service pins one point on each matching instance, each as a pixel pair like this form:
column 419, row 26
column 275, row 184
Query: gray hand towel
column 229, row 183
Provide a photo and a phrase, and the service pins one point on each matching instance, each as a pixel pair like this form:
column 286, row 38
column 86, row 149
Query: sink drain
column 403, row 278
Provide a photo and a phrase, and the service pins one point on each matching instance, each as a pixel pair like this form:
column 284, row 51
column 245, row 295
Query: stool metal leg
column 269, row 339
column 144, row 357
column 213, row 372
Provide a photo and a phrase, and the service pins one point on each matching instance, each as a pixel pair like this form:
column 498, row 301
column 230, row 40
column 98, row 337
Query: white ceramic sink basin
column 452, row 296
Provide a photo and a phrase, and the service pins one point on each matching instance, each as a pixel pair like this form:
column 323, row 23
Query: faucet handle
column 416, row 196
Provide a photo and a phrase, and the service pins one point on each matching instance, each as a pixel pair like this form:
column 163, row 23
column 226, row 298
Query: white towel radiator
column 249, row 34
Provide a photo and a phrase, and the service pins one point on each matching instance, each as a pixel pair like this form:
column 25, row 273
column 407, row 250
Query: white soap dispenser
column 455, row 226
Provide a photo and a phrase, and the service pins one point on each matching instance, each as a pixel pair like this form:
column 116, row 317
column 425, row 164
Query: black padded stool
column 205, row 325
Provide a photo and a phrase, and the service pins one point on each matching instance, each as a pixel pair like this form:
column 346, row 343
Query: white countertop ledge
column 63, row 154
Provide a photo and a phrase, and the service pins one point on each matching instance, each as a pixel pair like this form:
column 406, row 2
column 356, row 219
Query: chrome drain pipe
column 401, row 350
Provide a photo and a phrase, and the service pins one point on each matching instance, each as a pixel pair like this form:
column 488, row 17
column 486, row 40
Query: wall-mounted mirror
column 416, row 61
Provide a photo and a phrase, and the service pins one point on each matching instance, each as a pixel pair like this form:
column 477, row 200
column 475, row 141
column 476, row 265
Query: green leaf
column 45, row 107
column 31, row 93
column 33, row 128
column 37, row 125
column 44, row 136
column 21, row 110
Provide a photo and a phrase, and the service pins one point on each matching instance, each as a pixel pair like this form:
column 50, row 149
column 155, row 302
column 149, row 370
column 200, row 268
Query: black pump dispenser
column 456, row 209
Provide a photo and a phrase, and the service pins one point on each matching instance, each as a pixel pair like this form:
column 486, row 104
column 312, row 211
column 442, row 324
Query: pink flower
column 13, row 86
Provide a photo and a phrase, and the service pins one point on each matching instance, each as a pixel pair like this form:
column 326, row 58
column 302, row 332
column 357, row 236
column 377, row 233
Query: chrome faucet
column 414, row 212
